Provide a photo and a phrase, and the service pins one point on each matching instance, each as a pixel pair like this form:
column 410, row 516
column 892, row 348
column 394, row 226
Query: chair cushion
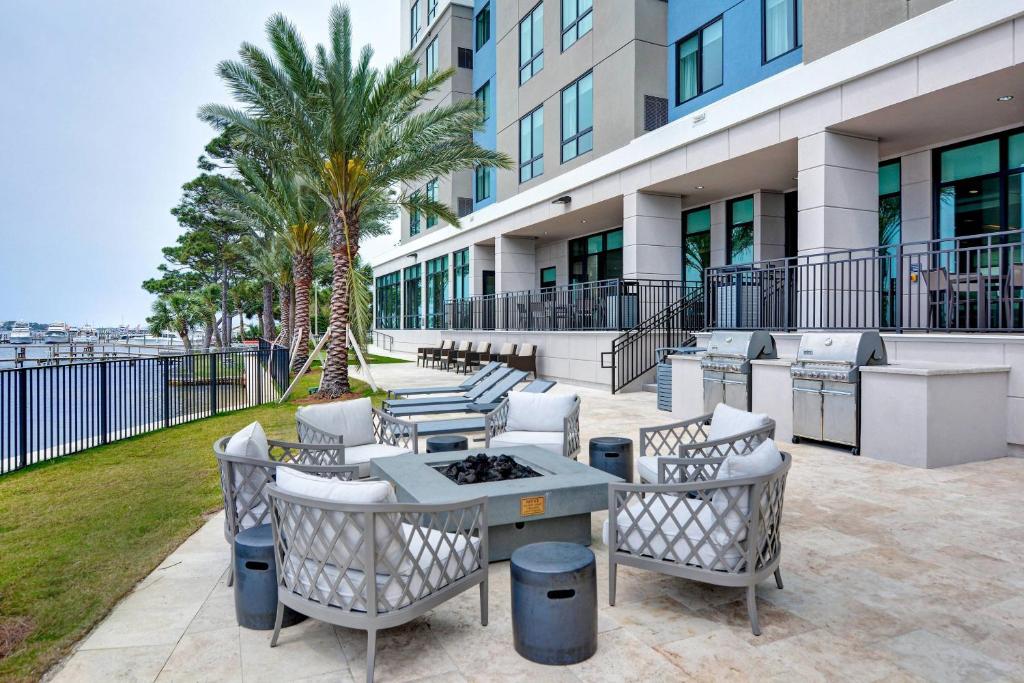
column 549, row 441
column 344, row 552
column 362, row 455
column 647, row 466
column 538, row 412
column 454, row 561
column 352, row 420
column 674, row 535
column 761, row 461
column 728, row 421
column 525, row 350
column 249, row 442
column 507, row 349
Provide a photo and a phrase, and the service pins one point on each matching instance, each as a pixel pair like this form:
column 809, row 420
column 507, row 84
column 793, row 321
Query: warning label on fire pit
column 531, row 505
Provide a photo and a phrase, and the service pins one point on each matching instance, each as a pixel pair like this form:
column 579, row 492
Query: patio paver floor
column 891, row 573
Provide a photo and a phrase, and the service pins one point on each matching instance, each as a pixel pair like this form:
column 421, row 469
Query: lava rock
column 481, row 468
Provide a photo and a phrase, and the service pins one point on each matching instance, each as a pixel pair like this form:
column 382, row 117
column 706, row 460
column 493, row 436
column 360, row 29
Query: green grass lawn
column 77, row 533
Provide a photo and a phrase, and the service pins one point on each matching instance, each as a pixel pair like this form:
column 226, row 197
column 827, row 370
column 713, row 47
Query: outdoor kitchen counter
column 772, row 394
column 929, row 414
column 687, row 386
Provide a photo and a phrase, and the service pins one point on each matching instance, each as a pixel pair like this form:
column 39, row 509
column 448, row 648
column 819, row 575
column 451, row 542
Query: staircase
column 634, row 352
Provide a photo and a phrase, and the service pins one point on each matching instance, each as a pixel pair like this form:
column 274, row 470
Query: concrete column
column 481, row 258
column 652, row 236
column 769, row 226
column 718, row 234
column 838, row 192
column 915, row 226
column 515, row 263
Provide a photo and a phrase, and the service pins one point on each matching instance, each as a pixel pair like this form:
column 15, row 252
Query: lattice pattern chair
column 725, row 432
column 545, row 421
column 362, row 432
column 328, row 538
column 246, row 467
column 705, row 527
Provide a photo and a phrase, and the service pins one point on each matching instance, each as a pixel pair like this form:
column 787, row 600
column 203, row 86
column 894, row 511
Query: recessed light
column 699, row 187
column 583, row 220
column 972, row 192
column 1004, row 98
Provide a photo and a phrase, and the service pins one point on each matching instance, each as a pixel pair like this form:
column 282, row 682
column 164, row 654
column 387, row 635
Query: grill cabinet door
column 807, row 416
column 737, row 392
column 714, row 390
column 840, row 412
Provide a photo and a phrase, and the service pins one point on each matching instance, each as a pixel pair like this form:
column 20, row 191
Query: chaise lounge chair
column 465, row 425
column 486, row 402
column 466, row 385
column 484, row 385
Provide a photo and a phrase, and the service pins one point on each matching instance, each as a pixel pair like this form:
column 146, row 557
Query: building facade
column 669, row 151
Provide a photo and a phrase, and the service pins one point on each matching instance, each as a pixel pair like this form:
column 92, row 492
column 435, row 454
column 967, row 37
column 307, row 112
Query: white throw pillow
column 538, row 412
column 249, row 442
column 352, row 492
column 352, row 420
column 728, row 421
column 759, row 462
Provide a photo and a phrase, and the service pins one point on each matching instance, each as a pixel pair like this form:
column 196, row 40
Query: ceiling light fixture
column 412, row 255
column 583, row 220
column 1004, row 98
column 699, row 187
column 564, row 199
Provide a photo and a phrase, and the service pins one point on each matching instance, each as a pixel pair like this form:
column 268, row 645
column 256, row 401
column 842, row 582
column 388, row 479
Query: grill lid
column 745, row 345
column 849, row 348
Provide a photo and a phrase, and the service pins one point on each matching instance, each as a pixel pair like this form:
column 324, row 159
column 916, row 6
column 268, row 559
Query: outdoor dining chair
column 360, row 431
column 727, row 431
column 248, row 461
column 525, row 358
column 426, row 354
column 506, row 351
column 331, row 537
column 719, row 523
column 472, row 358
column 448, row 359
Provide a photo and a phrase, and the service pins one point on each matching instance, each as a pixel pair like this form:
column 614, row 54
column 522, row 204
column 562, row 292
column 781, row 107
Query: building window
column 596, row 257
column 577, row 20
column 531, row 44
column 548, row 277
column 414, row 24
column 578, row 118
column 696, row 245
column 414, row 220
column 432, row 58
column 699, row 62
column 388, row 298
column 483, row 26
column 431, row 11
column 413, row 296
column 460, row 274
column 783, row 27
column 889, row 238
column 531, row 145
column 416, row 75
column 482, row 183
column 437, row 291
column 740, row 230
column 465, row 58
column 483, row 96
column 431, row 191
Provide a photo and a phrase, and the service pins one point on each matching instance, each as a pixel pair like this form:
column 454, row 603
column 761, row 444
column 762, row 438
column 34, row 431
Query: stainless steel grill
column 726, row 366
column 826, row 384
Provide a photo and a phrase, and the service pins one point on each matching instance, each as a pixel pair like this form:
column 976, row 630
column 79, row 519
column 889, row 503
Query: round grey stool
column 613, row 455
column 443, row 444
column 554, row 602
column 256, row 581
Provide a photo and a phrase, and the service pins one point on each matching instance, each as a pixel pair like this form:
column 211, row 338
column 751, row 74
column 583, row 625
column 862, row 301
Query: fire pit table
column 553, row 506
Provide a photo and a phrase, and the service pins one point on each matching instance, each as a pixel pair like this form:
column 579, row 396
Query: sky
column 98, row 131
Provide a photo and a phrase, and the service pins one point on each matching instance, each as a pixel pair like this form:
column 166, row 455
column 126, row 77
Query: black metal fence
column 56, row 410
column 959, row 284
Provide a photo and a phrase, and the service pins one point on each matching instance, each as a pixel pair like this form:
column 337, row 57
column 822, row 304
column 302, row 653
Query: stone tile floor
column 891, row 574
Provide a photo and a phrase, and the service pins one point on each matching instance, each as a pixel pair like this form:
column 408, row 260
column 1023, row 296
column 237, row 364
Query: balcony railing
column 958, row 284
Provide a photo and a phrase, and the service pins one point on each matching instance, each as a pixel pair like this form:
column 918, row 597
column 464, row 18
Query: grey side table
column 614, row 455
column 447, row 442
column 256, row 581
column 554, row 602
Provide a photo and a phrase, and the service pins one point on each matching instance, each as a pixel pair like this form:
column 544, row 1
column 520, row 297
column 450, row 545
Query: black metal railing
column 55, row 410
column 959, row 284
column 606, row 305
column 635, row 352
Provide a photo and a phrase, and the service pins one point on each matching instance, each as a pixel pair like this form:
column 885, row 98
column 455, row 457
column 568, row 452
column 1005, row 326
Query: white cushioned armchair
column 330, row 536
column 551, row 422
column 716, row 435
column 363, row 432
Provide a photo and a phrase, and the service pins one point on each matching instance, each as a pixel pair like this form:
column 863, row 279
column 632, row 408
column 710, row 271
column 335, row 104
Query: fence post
column 213, row 383
column 259, row 379
column 898, row 308
column 166, row 362
column 104, row 416
column 23, row 415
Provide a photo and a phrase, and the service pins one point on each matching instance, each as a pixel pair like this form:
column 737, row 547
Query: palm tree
column 355, row 133
column 284, row 204
column 177, row 312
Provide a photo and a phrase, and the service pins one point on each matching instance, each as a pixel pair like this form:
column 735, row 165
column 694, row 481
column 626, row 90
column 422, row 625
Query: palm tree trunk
column 284, row 300
column 225, row 315
column 267, row 320
column 208, row 334
column 334, row 382
column 302, row 268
